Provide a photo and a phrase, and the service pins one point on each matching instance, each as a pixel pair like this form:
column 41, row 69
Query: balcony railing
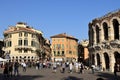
column 25, row 47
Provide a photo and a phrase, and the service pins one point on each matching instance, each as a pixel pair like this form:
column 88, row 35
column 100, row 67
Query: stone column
column 95, row 59
column 111, row 32
column 102, row 60
column 94, row 37
column 119, row 31
column 112, row 62
column 101, row 35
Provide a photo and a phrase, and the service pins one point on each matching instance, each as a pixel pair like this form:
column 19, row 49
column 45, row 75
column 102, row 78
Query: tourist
column 10, row 68
column 24, row 66
column 16, row 66
column 116, row 68
column 63, row 67
column 6, row 70
column 71, row 67
column 54, row 67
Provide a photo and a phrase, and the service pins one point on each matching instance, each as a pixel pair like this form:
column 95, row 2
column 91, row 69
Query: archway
column 117, row 57
column 107, row 61
column 116, row 29
column 98, row 59
column 97, row 34
column 93, row 61
column 105, row 29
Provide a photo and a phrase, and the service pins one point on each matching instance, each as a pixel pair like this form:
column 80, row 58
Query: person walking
column 24, row 66
column 63, row 67
column 6, row 70
column 71, row 67
column 10, row 68
column 54, row 67
column 16, row 66
column 116, row 68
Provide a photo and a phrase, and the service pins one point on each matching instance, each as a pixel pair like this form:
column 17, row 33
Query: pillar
column 102, row 60
column 95, row 59
column 112, row 62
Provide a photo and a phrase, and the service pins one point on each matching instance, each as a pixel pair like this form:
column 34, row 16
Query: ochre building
column 64, row 47
column 104, row 40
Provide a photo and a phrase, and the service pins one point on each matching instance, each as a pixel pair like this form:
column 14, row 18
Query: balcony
column 24, row 47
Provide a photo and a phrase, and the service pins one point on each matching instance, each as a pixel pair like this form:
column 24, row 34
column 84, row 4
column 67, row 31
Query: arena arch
column 115, row 21
column 107, row 60
column 97, row 34
column 105, row 30
column 117, row 57
column 98, row 59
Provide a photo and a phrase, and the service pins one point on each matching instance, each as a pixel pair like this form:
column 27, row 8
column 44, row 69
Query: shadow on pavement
column 71, row 78
column 20, row 77
column 108, row 76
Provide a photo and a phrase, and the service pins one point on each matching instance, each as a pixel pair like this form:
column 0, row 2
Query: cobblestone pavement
column 47, row 74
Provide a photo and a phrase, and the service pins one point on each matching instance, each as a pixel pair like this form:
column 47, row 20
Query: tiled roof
column 63, row 35
column 18, row 29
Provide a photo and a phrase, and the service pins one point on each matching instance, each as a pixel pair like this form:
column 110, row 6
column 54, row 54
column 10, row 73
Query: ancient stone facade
column 104, row 40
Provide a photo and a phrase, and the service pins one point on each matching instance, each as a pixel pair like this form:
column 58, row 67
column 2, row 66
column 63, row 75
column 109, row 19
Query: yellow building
column 22, row 41
column 64, row 47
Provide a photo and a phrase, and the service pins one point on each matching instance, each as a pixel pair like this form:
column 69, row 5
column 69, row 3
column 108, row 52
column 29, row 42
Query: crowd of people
column 12, row 68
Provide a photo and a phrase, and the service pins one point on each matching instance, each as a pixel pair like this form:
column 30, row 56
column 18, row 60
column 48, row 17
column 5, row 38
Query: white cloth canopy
column 4, row 60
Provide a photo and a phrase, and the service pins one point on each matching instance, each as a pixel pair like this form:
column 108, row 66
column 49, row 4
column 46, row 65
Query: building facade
column 64, row 47
column 83, row 53
column 1, row 48
column 22, row 41
column 104, row 40
column 47, row 49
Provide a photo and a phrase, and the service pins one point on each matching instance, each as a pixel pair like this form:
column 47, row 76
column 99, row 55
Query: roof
column 17, row 30
column 63, row 35
column 21, row 27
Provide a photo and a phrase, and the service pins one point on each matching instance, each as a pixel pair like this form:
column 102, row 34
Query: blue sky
column 55, row 16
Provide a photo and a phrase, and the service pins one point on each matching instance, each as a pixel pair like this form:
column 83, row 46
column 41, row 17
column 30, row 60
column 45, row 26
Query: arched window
column 97, row 34
column 116, row 29
column 92, row 36
column 105, row 29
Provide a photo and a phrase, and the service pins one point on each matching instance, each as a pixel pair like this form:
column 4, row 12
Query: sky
column 55, row 16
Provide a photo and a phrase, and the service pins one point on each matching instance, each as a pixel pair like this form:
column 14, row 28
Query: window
column 53, row 46
column 10, row 35
column 19, row 42
column 26, row 34
column 32, row 51
column 63, row 53
column 32, row 43
column 20, row 51
column 9, row 44
column 20, row 34
column 25, row 42
column 58, row 53
column 33, row 35
column 25, row 51
column 54, row 53
column 70, row 52
column 62, row 46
